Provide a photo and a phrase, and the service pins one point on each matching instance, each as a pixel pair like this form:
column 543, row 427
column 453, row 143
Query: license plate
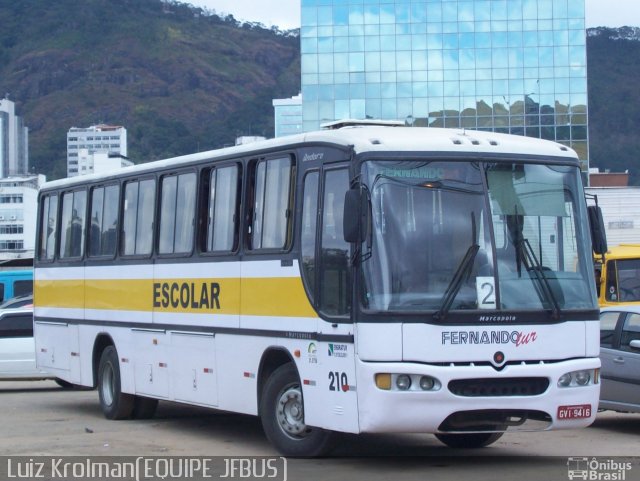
column 579, row 411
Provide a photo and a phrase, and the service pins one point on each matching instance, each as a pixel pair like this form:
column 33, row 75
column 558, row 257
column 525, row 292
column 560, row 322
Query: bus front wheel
column 469, row 441
column 282, row 416
column 114, row 403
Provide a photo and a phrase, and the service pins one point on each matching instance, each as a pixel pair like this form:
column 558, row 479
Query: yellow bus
column 618, row 275
column 360, row 279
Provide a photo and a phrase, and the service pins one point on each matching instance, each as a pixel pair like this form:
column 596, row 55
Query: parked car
column 17, row 347
column 620, row 356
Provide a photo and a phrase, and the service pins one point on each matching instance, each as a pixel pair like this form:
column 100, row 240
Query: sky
column 286, row 13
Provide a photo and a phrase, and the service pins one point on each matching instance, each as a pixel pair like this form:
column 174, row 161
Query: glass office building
column 287, row 116
column 512, row 66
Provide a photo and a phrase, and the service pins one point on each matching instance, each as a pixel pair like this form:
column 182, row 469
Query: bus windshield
column 452, row 235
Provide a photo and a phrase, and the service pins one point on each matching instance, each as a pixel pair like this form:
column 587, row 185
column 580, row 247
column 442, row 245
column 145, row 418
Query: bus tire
column 144, row 407
column 282, row 416
column 468, row 441
column 114, row 403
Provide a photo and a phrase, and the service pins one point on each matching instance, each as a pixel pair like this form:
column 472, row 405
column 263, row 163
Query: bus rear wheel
column 282, row 416
column 468, row 441
column 114, row 403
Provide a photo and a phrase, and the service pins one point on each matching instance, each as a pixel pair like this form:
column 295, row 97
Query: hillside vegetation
column 177, row 79
column 181, row 79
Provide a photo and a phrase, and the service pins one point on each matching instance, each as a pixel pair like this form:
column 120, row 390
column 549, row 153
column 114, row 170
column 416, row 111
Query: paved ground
column 39, row 419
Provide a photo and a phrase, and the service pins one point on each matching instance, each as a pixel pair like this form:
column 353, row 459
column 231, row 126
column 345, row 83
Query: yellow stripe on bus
column 283, row 297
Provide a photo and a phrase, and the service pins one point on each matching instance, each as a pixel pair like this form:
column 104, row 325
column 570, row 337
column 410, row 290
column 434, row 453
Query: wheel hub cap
column 290, row 412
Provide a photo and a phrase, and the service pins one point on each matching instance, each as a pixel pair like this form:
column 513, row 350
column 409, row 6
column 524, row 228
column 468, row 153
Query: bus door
column 334, row 353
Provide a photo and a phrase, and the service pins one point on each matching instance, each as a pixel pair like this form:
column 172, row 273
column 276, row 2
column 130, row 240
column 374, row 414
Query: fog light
column 403, row 382
column 383, row 381
column 427, row 383
column 565, row 380
column 583, row 377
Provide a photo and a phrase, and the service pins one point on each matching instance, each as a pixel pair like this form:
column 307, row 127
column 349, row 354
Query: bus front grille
column 488, row 387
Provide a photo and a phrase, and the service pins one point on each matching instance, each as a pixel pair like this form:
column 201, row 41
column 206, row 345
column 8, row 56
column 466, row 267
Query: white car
column 17, row 346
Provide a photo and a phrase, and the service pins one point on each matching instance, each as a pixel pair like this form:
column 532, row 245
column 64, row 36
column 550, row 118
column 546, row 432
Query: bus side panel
column 61, row 293
column 57, row 350
column 238, row 359
column 328, row 375
column 192, row 369
column 206, row 295
column 151, row 364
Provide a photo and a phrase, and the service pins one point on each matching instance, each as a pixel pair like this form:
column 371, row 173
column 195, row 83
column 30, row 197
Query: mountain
column 614, row 99
column 178, row 78
column 182, row 79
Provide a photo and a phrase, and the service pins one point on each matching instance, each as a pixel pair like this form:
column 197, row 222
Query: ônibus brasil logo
column 519, row 338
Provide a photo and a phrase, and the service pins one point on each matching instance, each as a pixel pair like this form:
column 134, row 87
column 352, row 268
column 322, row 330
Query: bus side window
column 48, row 227
column 308, row 231
column 104, row 220
column 130, row 217
column 137, row 234
column 177, row 214
column 334, row 283
column 72, row 225
column 271, row 222
column 108, row 231
column 144, row 227
column 223, row 209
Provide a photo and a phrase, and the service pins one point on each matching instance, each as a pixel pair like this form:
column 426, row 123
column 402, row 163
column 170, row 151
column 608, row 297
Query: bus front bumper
column 495, row 406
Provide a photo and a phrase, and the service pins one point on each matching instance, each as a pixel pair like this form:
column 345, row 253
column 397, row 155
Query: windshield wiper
column 459, row 277
column 545, row 291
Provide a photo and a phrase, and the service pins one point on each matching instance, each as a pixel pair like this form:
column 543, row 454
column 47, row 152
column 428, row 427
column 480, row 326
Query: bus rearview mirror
column 596, row 225
column 355, row 214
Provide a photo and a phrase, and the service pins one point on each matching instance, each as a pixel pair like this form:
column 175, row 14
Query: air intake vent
column 512, row 386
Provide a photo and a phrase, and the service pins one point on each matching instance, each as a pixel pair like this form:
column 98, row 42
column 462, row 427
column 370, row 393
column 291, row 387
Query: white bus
column 362, row 279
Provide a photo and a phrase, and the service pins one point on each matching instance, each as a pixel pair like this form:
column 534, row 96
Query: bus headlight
column 583, row 378
column 403, row 382
column 565, row 380
column 579, row 378
column 427, row 383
